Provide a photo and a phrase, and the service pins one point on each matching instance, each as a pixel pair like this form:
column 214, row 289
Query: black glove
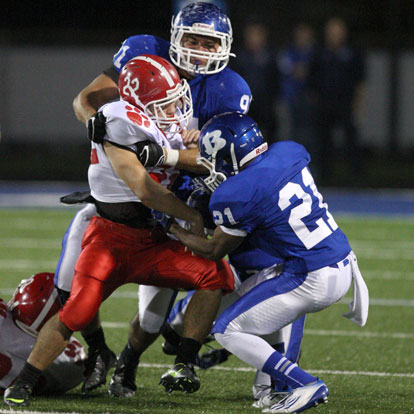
column 211, row 358
column 149, row 153
column 96, row 128
column 77, row 197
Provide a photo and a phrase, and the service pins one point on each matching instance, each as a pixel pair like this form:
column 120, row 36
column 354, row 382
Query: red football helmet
column 34, row 302
column 152, row 83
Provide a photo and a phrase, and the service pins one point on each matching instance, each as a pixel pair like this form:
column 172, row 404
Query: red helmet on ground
column 34, row 302
column 152, row 83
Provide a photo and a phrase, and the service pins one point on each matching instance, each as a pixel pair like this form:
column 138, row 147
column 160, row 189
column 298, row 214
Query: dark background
column 382, row 24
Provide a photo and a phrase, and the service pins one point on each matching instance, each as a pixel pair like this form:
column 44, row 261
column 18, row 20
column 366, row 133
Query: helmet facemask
column 219, row 170
column 181, row 96
column 214, row 61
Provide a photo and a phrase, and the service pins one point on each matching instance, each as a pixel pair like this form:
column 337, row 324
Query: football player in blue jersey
column 269, row 196
column 250, row 266
column 201, row 37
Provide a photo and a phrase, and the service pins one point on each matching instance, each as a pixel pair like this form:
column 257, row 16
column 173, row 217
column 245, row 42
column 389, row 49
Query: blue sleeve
column 226, row 91
column 140, row 45
column 231, row 210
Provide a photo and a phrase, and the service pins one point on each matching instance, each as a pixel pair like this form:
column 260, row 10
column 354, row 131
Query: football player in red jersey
column 123, row 244
column 33, row 303
column 201, row 37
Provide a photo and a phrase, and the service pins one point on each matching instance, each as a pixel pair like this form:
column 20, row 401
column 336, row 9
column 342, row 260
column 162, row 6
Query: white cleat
column 269, row 399
column 301, row 399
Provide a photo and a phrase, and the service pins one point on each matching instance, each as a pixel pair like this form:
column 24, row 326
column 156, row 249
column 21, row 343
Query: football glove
column 149, row 153
column 78, row 197
column 164, row 219
column 211, row 358
column 96, row 128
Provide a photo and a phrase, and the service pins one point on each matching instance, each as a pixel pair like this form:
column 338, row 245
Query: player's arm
column 151, row 194
column 215, row 248
column 150, row 154
column 101, row 90
column 187, row 160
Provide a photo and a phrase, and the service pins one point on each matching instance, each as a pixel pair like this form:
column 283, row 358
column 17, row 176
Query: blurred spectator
column 337, row 79
column 295, row 111
column 256, row 63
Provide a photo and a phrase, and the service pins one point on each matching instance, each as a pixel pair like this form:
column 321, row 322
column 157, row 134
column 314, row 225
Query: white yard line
column 314, row 332
column 11, row 411
column 39, row 265
column 30, row 243
column 312, row 371
column 404, row 303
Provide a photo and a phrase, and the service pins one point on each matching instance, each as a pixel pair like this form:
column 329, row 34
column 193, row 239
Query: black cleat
column 98, row 364
column 122, row 383
column 17, row 395
column 181, row 377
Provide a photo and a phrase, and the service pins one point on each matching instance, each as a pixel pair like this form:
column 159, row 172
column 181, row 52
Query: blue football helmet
column 201, row 19
column 228, row 142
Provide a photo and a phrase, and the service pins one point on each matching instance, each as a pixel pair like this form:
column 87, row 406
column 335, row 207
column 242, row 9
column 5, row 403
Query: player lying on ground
column 33, row 303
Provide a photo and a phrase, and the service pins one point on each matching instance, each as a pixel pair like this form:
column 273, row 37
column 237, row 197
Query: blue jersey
column 275, row 201
column 248, row 259
column 215, row 94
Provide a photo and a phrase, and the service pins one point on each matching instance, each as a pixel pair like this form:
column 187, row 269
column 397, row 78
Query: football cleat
column 301, row 399
column 122, row 383
column 17, row 395
column 269, row 399
column 181, row 377
column 98, row 364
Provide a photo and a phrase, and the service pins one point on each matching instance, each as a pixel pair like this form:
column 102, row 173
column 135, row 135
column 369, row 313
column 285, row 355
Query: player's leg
column 266, row 390
column 97, row 258
column 177, row 267
column 65, row 373
column 100, row 357
column 154, row 306
column 275, row 303
column 198, row 320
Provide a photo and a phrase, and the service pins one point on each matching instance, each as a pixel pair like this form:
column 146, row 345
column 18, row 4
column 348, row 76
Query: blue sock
column 280, row 368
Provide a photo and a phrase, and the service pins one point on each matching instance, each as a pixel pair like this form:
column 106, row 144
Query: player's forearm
column 100, row 91
column 150, row 193
column 184, row 160
column 83, row 110
column 202, row 246
column 154, row 196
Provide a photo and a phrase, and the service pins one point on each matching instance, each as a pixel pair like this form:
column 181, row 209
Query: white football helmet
column 201, row 19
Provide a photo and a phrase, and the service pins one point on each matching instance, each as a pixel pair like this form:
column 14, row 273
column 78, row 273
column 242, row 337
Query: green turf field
column 368, row 370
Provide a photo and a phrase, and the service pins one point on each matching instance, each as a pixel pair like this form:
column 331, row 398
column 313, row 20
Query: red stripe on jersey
column 94, row 156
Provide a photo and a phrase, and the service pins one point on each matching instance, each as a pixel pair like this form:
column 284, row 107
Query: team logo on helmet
column 213, row 142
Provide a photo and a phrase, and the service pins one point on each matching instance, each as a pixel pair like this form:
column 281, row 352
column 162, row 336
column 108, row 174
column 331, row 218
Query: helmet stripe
column 45, row 310
column 253, row 154
column 160, row 67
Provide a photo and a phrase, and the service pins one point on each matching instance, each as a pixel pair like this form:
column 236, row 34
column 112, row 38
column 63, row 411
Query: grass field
column 368, row 370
